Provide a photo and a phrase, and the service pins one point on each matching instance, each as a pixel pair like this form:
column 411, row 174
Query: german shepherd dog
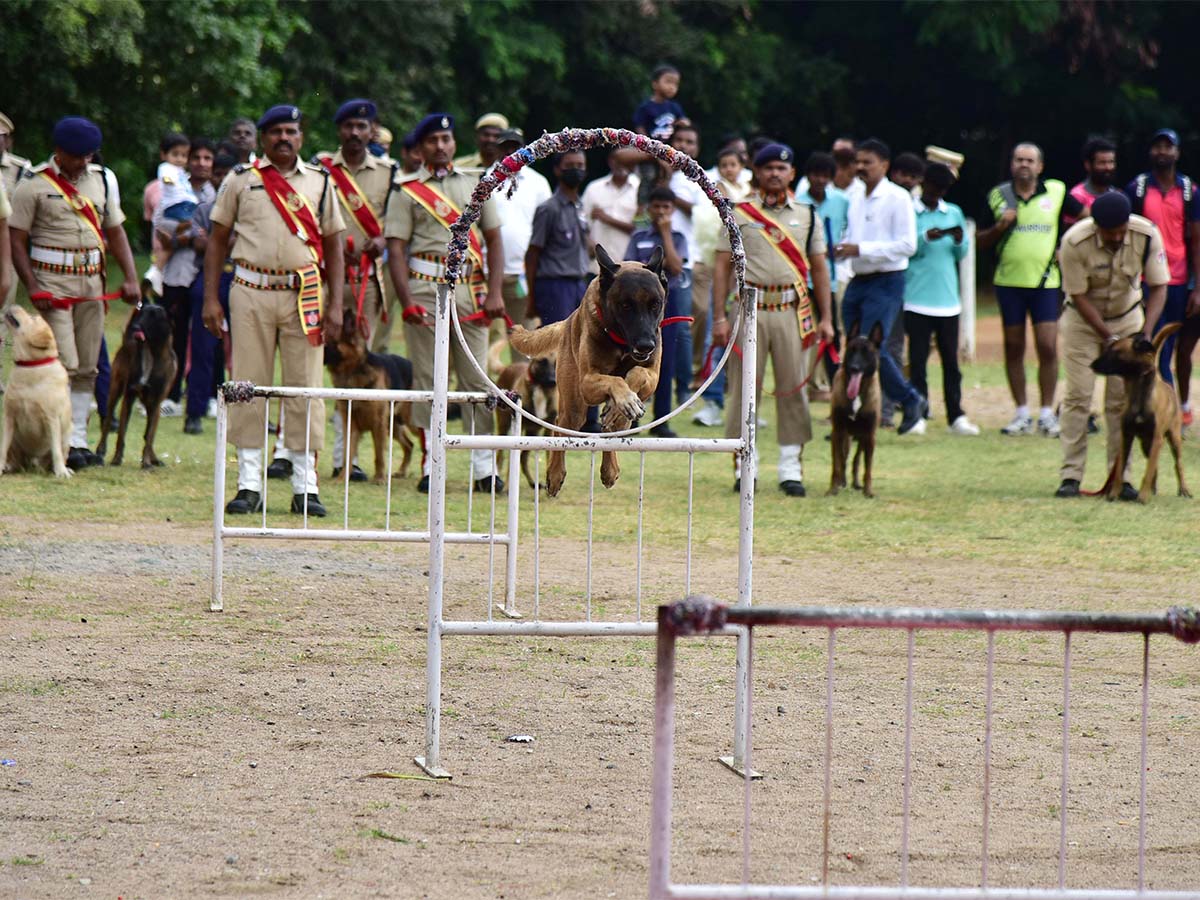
column 536, row 384
column 609, row 351
column 1151, row 412
column 37, row 407
column 351, row 365
column 854, row 408
column 143, row 369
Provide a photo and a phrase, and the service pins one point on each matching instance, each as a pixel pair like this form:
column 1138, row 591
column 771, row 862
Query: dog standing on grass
column 1151, row 412
column 143, row 369
column 854, row 408
column 37, row 404
column 609, row 351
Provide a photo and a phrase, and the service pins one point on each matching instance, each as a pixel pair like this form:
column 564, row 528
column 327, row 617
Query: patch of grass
column 31, row 687
column 27, row 861
column 380, row 834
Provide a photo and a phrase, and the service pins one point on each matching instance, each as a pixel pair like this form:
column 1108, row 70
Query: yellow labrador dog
column 37, row 406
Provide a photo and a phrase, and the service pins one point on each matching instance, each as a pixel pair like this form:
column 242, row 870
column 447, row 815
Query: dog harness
column 620, row 341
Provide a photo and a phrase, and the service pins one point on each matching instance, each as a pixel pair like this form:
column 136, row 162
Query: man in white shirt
column 516, row 225
column 610, row 205
column 880, row 237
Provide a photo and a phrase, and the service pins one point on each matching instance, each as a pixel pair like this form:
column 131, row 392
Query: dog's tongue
column 139, row 335
column 853, row 385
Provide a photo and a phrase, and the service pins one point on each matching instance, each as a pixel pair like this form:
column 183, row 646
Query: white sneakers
column 1048, row 425
column 964, row 426
column 1020, row 424
column 918, row 428
column 709, row 415
column 170, row 409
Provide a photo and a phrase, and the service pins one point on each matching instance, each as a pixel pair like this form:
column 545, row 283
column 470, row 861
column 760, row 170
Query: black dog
column 143, row 369
column 854, row 407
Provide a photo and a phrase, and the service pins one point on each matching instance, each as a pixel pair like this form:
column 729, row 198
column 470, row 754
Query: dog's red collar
column 620, row 341
column 44, row 361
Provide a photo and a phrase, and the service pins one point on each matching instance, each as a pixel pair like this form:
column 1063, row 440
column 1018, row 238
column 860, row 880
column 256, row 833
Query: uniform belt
column 67, row 258
column 1105, row 318
column 771, row 297
column 425, row 267
column 265, row 279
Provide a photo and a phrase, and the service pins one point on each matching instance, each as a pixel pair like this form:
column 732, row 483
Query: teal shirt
column 931, row 283
column 832, row 211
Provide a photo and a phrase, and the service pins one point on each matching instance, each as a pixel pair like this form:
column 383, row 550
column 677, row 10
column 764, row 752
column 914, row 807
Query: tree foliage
column 973, row 76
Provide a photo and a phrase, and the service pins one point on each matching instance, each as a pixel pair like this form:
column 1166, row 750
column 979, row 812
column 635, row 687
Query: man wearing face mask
column 556, row 263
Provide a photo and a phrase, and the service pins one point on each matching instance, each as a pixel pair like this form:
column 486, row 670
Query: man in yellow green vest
column 1026, row 215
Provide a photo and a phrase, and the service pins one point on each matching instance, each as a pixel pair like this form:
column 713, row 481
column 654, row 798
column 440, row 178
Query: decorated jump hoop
column 501, row 177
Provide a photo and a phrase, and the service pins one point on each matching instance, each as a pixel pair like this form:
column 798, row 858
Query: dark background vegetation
column 975, row 77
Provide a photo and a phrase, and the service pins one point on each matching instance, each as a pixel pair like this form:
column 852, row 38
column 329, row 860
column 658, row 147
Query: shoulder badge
column 30, row 172
column 240, row 168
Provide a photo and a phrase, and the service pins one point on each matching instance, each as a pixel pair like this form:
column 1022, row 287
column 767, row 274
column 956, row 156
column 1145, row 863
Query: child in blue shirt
column 656, row 116
column 931, row 299
column 642, row 245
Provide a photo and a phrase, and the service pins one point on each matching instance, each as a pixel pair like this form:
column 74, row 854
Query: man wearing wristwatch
column 1105, row 260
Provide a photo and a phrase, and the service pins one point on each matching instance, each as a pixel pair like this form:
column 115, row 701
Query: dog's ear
column 608, row 269
column 852, row 332
column 655, row 265
column 876, row 335
column 1142, row 344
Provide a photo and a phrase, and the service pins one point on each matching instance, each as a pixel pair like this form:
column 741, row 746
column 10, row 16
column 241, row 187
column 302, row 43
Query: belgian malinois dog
column 854, row 408
column 1151, row 412
column 143, row 369
column 609, row 351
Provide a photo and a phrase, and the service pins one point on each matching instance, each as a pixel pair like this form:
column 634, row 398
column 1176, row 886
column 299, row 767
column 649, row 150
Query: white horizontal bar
column 325, row 393
column 564, row 629
column 815, row 892
column 599, row 442
column 339, row 534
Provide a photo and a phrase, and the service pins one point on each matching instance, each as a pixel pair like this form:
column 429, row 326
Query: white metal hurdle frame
column 440, row 441
column 244, row 392
column 700, row 616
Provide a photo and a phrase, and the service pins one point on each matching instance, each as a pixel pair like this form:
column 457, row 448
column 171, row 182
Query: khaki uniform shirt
column 11, row 169
column 1112, row 280
column 409, row 221
column 5, row 206
column 374, row 179
column 764, row 264
column 264, row 240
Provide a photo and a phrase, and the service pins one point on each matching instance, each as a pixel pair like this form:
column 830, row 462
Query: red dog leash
column 68, row 302
column 824, row 348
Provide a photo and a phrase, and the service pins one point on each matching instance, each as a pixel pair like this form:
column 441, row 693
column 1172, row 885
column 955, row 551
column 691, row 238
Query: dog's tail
column 495, row 351
column 540, row 343
column 1161, row 337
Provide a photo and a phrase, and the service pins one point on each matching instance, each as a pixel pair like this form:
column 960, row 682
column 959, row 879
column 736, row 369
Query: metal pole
column 216, row 602
column 437, row 530
column 664, row 759
column 514, row 512
column 749, row 416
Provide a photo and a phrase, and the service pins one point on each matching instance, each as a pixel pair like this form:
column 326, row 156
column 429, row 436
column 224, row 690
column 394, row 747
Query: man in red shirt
column 1100, row 163
column 1168, row 199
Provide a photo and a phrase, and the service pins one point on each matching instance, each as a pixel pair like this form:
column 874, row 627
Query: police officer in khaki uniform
column 362, row 181
column 417, row 232
column 774, row 283
column 1105, row 259
column 64, row 213
column 487, row 136
column 274, row 266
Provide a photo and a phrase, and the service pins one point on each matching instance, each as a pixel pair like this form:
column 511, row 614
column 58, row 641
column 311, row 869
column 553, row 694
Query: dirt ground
column 159, row 750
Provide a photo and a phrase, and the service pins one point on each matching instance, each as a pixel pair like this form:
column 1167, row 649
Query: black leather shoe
column 1093, row 426
column 94, row 459
column 662, row 431
column 793, row 488
column 1128, row 493
column 244, row 502
column 485, row 484
column 193, row 425
column 280, row 468
column 914, row 413
column 315, row 506
column 78, row 458
column 423, row 485
column 356, row 474
column 1068, row 488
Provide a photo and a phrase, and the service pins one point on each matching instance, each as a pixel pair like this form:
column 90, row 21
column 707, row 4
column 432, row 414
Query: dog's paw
column 868, row 493
column 554, row 484
column 1185, row 493
column 832, row 492
column 609, row 474
column 64, row 473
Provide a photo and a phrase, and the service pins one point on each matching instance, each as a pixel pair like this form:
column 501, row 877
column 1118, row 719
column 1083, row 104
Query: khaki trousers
column 381, row 331
column 78, row 332
column 419, row 340
column 259, row 322
column 702, row 279
column 1081, row 345
column 779, row 338
column 515, row 300
column 372, row 310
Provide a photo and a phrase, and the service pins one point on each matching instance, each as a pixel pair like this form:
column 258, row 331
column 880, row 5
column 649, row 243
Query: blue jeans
column 715, row 391
column 679, row 303
column 208, row 354
column 1173, row 311
column 557, row 298
column 875, row 299
column 683, row 338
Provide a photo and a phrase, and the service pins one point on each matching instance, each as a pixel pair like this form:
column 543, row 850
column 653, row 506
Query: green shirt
column 1026, row 255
